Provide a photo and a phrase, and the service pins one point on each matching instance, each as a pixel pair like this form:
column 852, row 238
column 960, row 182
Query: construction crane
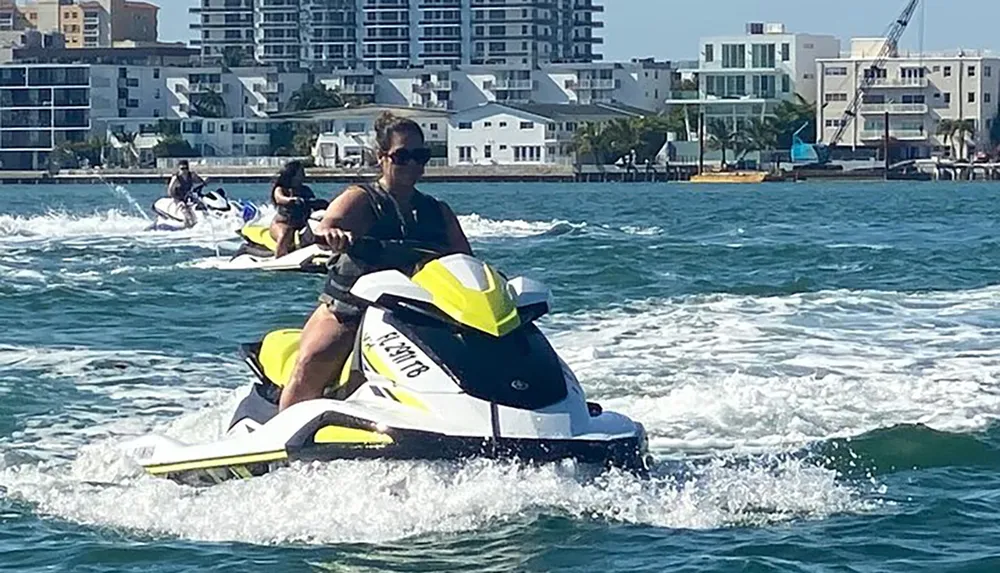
column 820, row 152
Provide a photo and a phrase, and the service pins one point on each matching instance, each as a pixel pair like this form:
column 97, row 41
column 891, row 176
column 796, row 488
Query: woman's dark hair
column 287, row 173
column 388, row 124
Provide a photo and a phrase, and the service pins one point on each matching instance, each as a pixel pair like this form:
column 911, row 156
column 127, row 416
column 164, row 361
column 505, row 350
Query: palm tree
column 790, row 115
column 964, row 130
column 946, row 130
column 314, row 96
column 721, row 137
column 587, row 142
column 304, row 139
column 127, row 140
column 758, row 135
column 208, row 104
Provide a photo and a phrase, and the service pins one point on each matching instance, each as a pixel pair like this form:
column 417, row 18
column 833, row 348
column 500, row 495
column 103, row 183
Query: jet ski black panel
column 519, row 370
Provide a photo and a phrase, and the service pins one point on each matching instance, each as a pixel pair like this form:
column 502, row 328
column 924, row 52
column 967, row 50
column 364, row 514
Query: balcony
column 436, row 86
column 900, row 83
column 685, row 95
column 357, row 89
column 894, row 108
column 205, row 88
column 895, row 133
column 599, row 84
column 502, row 85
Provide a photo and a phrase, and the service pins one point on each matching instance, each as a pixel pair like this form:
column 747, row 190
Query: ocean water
column 818, row 365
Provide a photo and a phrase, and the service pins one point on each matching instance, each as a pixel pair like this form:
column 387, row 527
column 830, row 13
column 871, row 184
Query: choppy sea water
column 817, row 365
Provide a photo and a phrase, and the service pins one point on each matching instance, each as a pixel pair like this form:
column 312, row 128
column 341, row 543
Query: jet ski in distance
column 204, row 204
column 257, row 251
column 447, row 364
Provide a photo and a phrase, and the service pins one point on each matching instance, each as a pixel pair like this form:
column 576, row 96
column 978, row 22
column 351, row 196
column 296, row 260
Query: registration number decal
column 402, row 354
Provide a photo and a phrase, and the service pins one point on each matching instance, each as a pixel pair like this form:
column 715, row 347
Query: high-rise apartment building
column 84, row 24
column 398, row 34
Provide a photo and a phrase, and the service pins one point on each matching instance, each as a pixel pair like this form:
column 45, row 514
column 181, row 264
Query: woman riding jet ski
column 288, row 244
column 437, row 357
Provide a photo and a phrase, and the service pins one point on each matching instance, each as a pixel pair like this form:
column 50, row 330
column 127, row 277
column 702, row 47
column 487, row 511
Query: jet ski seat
column 276, row 356
column 261, row 237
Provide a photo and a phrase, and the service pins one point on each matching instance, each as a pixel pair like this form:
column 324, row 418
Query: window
column 947, row 71
column 987, row 97
column 503, row 124
column 972, row 97
column 734, row 56
column 709, row 52
column 465, row 125
column 835, row 97
column 808, row 76
column 786, row 84
column 156, row 73
column 786, row 52
column 465, row 154
column 487, row 124
column 947, row 97
column 211, row 127
column 527, row 125
column 972, row 71
column 836, row 71
column 488, row 152
column 434, row 127
column 157, row 94
column 988, row 71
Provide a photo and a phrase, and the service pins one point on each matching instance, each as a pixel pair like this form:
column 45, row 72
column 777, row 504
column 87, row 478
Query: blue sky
column 669, row 29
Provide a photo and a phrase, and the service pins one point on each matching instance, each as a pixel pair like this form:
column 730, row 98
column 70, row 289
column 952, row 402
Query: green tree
column 305, row 138
column 282, row 139
column 789, row 116
column 209, row 104
column 314, row 96
column 964, row 131
column 130, row 154
column 946, row 129
column 721, row 137
column 995, row 131
column 587, row 143
column 174, row 146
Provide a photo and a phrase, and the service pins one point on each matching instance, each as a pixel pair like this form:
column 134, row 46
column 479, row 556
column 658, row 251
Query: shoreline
column 457, row 174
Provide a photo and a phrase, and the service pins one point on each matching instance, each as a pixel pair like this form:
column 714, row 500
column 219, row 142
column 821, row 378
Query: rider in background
column 181, row 186
column 295, row 202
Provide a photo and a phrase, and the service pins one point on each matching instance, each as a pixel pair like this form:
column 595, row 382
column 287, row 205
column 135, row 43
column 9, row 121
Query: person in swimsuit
column 390, row 208
column 295, row 202
column 182, row 186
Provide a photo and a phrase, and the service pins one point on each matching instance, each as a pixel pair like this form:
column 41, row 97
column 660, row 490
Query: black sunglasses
column 403, row 156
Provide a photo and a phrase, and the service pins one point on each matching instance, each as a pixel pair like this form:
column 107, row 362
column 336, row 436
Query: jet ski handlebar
column 373, row 250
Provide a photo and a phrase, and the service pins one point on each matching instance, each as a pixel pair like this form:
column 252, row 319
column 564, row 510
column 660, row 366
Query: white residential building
column 642, row 84
column 916, row 91
column 398, row 34
column 503, row 134
column 746, row 76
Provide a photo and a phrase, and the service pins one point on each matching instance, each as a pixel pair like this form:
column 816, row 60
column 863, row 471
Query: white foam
column 111, row 228
column 478, row 227
column 372, row 501
column 724, row 371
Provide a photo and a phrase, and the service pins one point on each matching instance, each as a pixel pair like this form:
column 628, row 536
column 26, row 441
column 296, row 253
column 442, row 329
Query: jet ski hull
column 334, row 435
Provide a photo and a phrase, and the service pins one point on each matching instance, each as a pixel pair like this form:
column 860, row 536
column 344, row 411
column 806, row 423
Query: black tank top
column 296, row 212
column 184, row 187
column 425, row 222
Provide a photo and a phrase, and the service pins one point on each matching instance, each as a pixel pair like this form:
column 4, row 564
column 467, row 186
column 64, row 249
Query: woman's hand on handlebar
column 337, row 240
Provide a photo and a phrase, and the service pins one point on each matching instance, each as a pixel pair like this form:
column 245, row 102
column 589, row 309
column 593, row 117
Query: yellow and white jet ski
column 257, row 251
column 447, row 364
